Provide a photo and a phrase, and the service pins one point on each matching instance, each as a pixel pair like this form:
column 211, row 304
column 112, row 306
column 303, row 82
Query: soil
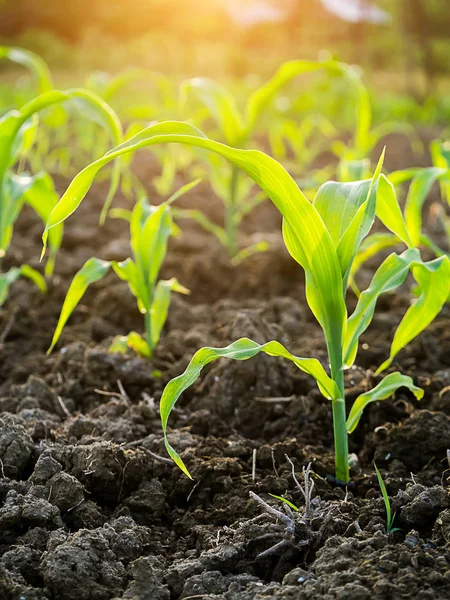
column 89, row 512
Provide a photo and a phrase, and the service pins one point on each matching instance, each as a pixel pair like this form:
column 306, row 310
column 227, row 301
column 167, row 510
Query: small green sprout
column 323, row 236
column 150, row 229
column 389, row 516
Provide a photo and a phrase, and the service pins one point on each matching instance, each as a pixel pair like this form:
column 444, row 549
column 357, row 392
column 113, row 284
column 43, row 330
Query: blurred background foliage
column 191, row 37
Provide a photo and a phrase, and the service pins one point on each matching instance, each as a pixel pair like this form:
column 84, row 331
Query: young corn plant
column 323, row 236
column 150, row 229
column 236, row 129
column 17, row 131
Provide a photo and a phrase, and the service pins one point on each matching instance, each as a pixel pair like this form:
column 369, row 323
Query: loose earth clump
column 89, row 511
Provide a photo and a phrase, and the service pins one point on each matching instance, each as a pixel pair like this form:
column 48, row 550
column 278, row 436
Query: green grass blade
column 286, row 501
column 92, row 270
column 385, row 389
column 389, row 516
column 242, row 349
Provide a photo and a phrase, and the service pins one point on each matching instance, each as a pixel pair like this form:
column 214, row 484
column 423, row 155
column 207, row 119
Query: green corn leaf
column 34, row 276
column 309, row 241
column 389, row 276
column 348, row 211
column 119, row 213
column 12, row 124
column 371, row 246
column 385, row 389
column 33, row 62
column 184, row 190
column 133, row 340
column 402, row 176
column 221, row 105
column 199, row 217
column 417, row 193
column 151, row 247
column 8, row 278
column 42, row 197
column 286, row 501
column 161, row 303
column 251, row 250
column 92, row 270
column 242, row 349
column 262, row 97
column 434, row 283
column 11, row 202
column 353, row 170
column 128, row 271
column 389, row 211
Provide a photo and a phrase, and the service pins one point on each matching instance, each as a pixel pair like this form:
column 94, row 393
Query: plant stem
column 148, row 329
column 340, row 428
column 230, row 223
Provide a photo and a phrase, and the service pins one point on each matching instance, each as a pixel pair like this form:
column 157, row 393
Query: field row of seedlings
column 275, row 228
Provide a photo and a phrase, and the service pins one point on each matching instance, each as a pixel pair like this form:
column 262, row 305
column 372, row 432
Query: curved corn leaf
column 160, row 305
column 242, row 349
column 389, row 275
column 184, row 190
column 417, row 193
column 8, row 278
column 221, row 105
column 389, row 211
column 387, row 386
column 33, row 62
column 92, row 270
column 288, row 71
column 309, row 241
column 434, row 283
column 402, row 176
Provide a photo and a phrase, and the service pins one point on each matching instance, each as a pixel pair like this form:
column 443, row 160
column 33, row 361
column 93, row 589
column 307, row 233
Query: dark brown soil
column 88, row 513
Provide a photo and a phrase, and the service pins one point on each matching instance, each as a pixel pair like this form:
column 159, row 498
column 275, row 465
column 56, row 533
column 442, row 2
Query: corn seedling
column 150, row 229
column 323, row 236
column 387, row 503
column 17, row 131
column 236, row 129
